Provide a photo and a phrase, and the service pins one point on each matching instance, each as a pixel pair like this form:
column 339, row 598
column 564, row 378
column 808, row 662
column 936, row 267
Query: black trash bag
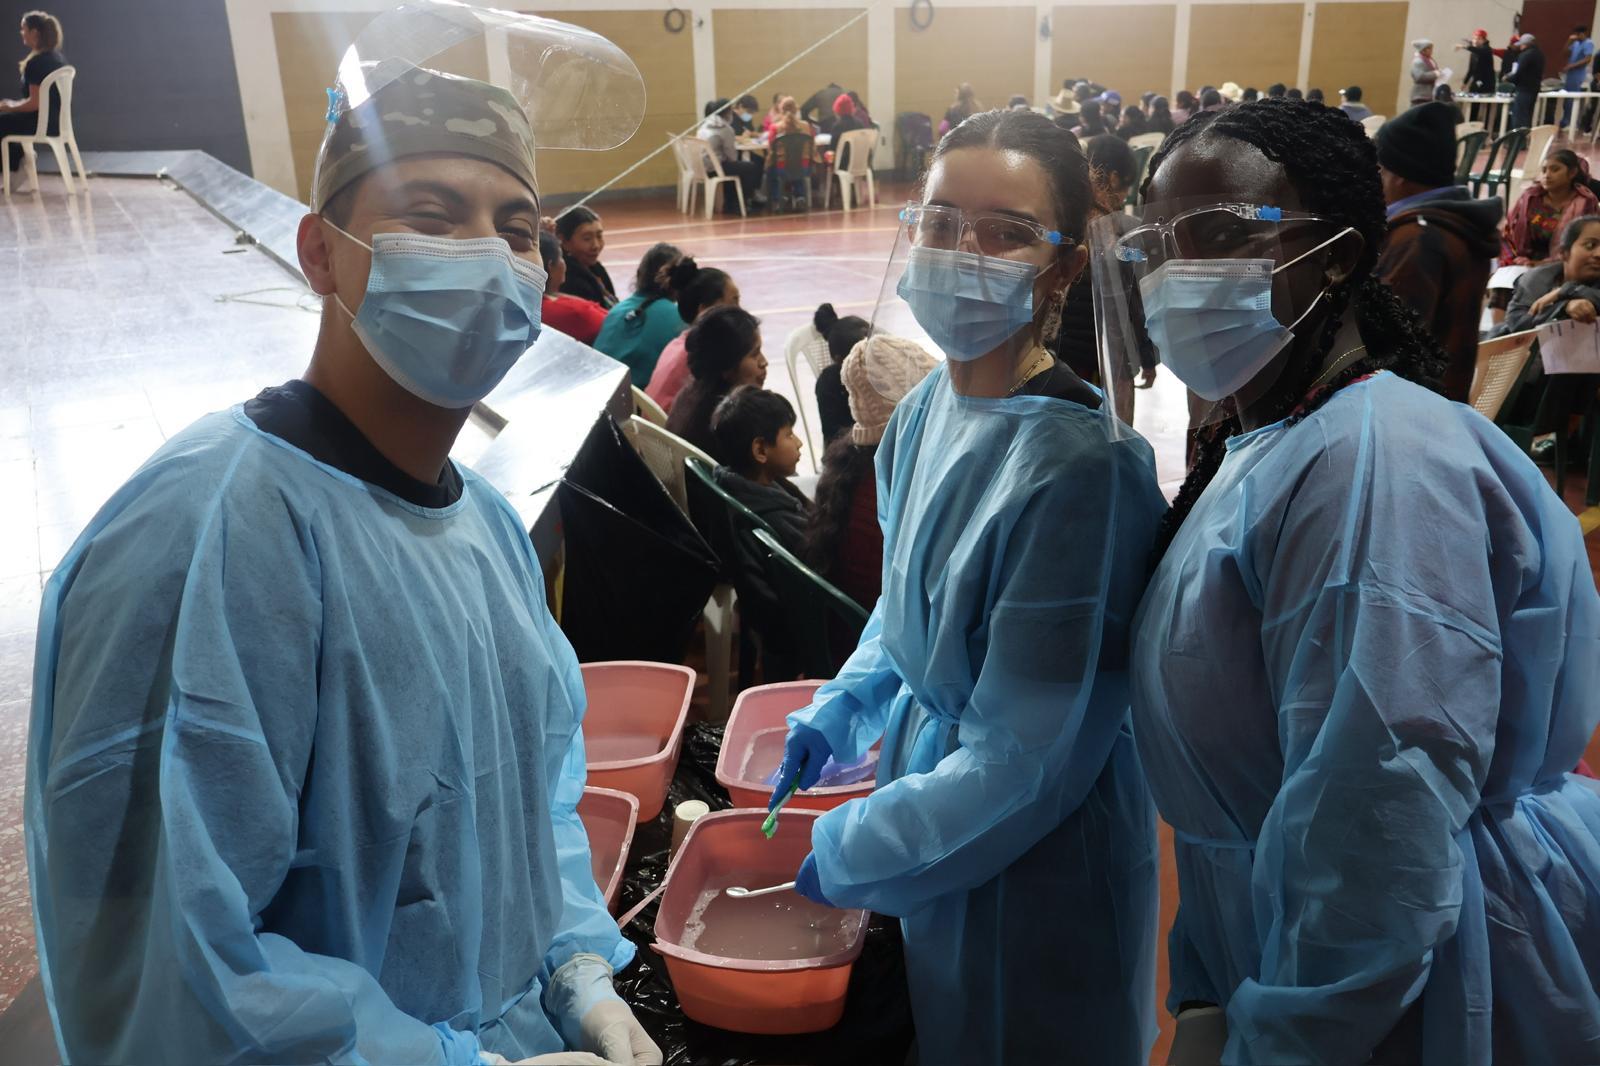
column 638, row 574
column 876, row 1028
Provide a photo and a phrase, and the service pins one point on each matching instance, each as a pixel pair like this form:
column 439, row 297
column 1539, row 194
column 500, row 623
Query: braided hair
column 1333, row 166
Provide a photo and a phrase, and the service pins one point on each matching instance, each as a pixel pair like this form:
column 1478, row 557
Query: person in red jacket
column 578, row 318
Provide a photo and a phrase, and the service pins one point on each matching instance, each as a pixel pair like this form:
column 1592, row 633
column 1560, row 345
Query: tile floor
column 128, row 324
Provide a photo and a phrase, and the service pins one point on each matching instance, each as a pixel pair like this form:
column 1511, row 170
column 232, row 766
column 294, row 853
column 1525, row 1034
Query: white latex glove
column 611, row 1029
column 590, row 1016
column 1199, row 1037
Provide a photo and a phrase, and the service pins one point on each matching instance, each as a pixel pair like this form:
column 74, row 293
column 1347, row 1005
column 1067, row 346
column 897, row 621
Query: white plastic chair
column 861, row 143
column 61, row 81
column 1540, row 139
column 1499, row 365
column 664, row 453
column 806, row 345
column 646, row 408
column 1372, row 122
column 1464, row 128
column 1146, row 140
column 685, row 172
column 697, row 155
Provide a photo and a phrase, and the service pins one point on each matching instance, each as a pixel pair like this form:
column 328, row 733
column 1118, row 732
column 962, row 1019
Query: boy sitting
column 759, row 451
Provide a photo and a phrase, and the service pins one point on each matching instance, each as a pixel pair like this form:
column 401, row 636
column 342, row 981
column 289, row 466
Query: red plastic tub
column 776, row 964
column 609, row 817
column 752, row 749
column 633, row 730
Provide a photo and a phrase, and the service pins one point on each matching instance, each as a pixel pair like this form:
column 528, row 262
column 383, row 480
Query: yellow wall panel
column 991, row 47
column 1356, row 44
column 753, row 41
column 1252, row 44
column 1128, row 52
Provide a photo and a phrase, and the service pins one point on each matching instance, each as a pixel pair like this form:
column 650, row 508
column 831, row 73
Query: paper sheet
column 1506, row 277
column 1569, row 347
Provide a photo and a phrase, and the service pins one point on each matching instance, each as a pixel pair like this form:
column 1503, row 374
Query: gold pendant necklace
column 1039, row 363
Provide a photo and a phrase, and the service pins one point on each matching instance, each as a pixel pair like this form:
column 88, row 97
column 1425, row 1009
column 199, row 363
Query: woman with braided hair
column 1367, row 659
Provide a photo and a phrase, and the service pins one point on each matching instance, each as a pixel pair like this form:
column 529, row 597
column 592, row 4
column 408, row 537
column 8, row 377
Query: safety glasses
column 1215, row 231
column 933, row 226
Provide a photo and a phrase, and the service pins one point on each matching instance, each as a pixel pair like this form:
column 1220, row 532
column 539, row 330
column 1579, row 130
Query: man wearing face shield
column 1366, row 663
column 306, row 746
column 1011, row 831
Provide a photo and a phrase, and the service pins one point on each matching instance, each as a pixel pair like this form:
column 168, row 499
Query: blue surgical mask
column 969, row 304
column 447, row 318
column 1211, row 320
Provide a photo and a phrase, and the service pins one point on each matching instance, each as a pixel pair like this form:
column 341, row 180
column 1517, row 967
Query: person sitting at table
column 742, row 116
column 772, row 113
column 789, row 121
column 717, row 132
column 861, row 110
column 845, row 121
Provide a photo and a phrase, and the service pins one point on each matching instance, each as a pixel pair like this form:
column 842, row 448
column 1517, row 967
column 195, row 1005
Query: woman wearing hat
column 1425, row 72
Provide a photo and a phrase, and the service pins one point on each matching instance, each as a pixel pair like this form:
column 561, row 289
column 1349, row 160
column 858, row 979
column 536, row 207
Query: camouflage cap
column 419, row 112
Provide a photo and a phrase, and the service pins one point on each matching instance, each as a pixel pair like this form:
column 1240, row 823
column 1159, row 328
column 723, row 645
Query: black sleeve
column 833, row 404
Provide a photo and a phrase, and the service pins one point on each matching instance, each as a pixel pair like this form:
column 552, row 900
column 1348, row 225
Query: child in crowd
column 844, row 542
column 699, row 290
column 841, row 335
column 638, row 328
column 724, row 352
column 583, row 238
column 759, row 452
column 573, row 315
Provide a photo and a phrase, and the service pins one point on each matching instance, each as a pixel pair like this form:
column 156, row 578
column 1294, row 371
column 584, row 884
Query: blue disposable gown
column 303, row 772
column 1012, row 831
column 1361, row 675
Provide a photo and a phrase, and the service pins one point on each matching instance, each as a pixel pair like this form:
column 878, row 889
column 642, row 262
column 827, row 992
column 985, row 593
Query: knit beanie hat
column 1420, row 145
column 877, row 374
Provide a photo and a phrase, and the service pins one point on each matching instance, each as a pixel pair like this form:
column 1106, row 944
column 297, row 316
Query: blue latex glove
column 807, row 882
column 804, row 751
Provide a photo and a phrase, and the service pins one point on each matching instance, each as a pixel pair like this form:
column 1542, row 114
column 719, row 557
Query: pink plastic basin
column 633, row 730
column 752, row 749
column 609, row 818
column 775, row 964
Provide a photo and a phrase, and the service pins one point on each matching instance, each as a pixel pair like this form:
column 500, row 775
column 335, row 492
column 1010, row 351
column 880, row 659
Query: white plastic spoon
column 740, row 892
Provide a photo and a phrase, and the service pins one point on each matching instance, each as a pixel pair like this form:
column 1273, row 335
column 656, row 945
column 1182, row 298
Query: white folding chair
column 685, row 172
column 1539, row 140
column 61, row 144
column 698, row 156
column 806, row 345
column 1372, row 122
column 1146, row 140
column 860, row 143
column 647, row 409
column 1499, row 365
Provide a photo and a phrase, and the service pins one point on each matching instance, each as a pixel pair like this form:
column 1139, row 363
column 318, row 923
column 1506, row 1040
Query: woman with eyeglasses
column 1368, row 659
column 1012, row 831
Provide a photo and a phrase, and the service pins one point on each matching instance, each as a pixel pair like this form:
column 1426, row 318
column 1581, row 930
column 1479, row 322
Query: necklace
column 1336, row 366
column 1040, row 362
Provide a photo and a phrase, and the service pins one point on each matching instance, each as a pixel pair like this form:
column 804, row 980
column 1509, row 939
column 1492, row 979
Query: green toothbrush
column 770, row 826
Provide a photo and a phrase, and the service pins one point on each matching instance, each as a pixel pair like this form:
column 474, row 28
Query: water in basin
column 783, row 925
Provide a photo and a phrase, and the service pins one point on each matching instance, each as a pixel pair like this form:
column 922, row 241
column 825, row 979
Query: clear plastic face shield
column 964, row 284
column 1209, row 296
column 576, row 89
